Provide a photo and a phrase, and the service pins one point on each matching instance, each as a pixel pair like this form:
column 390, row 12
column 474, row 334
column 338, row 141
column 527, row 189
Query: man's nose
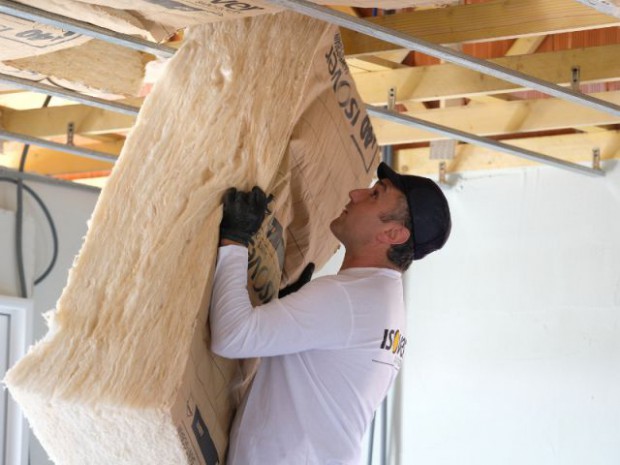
column 356, row 194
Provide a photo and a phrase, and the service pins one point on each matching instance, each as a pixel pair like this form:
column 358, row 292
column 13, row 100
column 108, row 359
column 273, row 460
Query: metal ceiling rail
column 326, row 14
column 482, row 141
column 444, row 53
column 13, row 174
column 341, row 19
column 26, row 84
column 62, row 22
column 82, row 152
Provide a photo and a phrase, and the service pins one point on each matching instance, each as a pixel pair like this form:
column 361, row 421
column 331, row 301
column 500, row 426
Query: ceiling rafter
column 42, row 160
column 497, row 19
column 52, row 121
column 376, row 69
column 575, row 148
column 451, row 81
column 499, row 118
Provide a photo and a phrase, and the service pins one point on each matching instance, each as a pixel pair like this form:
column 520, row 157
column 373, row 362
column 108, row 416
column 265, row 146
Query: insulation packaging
column 36, row 52
column 21, row 38
column 125, row 375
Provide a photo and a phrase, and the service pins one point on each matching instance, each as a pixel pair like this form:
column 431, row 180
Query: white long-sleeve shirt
column 330, row 353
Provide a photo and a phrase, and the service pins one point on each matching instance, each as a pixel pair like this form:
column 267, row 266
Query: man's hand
column 244, row 212
column 304, row 279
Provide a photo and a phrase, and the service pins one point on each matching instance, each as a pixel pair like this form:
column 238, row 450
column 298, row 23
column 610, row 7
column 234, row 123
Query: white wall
column 514, row 328
column 70, row 209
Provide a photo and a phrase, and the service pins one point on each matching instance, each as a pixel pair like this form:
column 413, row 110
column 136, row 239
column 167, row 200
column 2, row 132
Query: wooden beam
column 521, row 46
column 25, row 100
column 371, row 63
column 349, row 10
column 52, row 121
column 598, row 64
column 415, row 83
column 525, row 45
column 497, row 19
column 46, row 161
column 391, row 59
column 499, row 118
column 575, row 148
column 592, row 129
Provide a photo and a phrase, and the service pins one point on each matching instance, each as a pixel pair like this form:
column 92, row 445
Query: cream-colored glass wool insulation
column 95, row 67
column 99, row 388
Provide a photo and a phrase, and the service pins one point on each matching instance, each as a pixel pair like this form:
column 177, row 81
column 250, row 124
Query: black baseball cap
column 430, row 213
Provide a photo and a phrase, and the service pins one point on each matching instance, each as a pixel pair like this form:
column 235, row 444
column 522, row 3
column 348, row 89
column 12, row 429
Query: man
column 331, row 350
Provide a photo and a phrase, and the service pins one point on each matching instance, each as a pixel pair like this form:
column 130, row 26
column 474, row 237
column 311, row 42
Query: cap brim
column 384, row 171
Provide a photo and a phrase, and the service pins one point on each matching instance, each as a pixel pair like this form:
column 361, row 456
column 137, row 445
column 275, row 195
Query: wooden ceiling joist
column 376, row 67
column 452, row 81
column 46, row 161
column 498, row 119
column 349, row 10
column 380, row 61
column 371, row 63
column 575, row 148
column 497, row 19
column 52, row 121
column 525, row 45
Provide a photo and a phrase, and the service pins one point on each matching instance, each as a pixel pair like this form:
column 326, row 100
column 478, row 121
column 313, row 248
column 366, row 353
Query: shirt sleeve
column 318, row 316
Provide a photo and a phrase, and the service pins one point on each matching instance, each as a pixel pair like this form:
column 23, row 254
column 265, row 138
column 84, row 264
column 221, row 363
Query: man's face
column 360, row 222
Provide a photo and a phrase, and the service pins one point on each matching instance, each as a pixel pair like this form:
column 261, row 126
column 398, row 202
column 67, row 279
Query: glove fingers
column 258, row 196
column 244, row 213
column 260, row 200
column 229, row 196
column 244, row 198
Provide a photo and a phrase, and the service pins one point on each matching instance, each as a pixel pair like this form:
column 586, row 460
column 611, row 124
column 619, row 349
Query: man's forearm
column 230, row 303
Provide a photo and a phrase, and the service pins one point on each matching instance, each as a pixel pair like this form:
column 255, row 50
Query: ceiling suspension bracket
column 596, row 159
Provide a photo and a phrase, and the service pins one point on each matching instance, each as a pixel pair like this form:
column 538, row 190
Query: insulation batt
column 100, row 387
column 93, row 65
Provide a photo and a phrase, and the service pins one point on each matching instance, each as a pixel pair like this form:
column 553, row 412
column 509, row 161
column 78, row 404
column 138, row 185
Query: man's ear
column 394, row 234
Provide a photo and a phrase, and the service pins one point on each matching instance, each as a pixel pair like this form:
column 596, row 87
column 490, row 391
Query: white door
column 15, row 338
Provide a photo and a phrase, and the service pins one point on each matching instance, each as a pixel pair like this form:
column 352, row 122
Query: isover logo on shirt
column 394, row 341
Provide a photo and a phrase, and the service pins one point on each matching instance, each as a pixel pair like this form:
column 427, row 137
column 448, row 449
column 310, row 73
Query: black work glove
column 243, row 215
column 304, row 279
